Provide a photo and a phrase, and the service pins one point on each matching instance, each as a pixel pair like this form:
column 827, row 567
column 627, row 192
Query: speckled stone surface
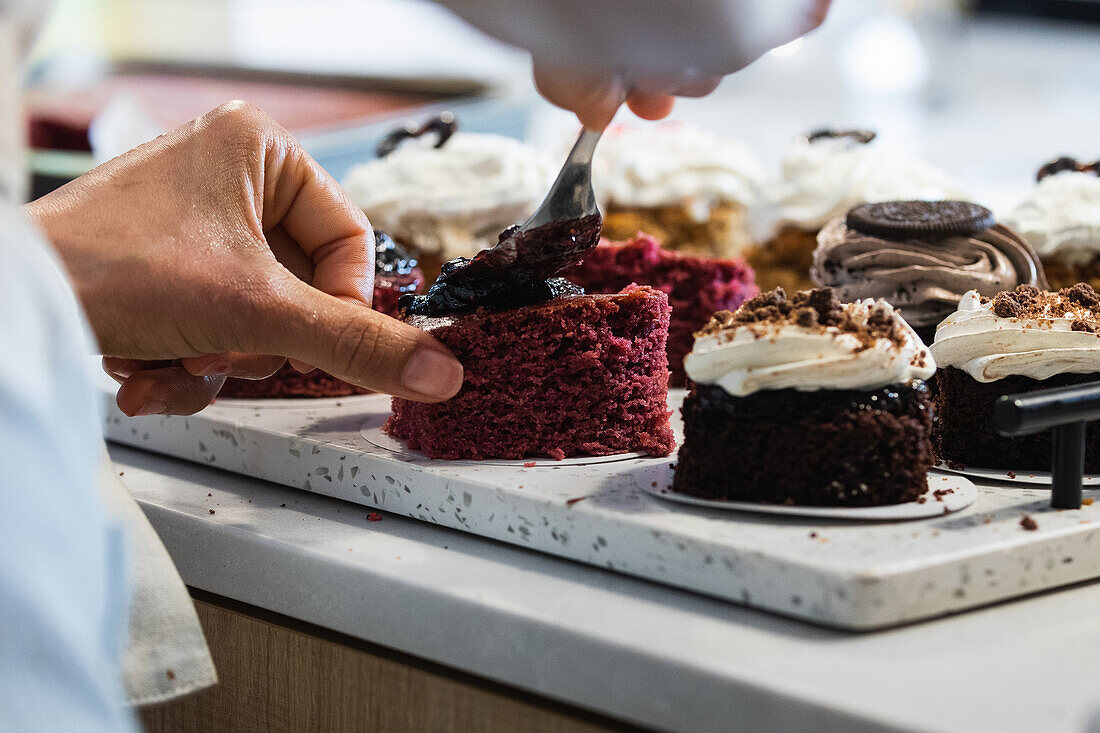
column 858, row 576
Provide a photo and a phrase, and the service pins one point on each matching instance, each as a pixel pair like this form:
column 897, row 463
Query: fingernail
column 215, row 369
column 432, row 374
column 152, row 407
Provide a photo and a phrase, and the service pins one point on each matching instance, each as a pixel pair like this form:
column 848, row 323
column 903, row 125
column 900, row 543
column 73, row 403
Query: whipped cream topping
column 674, row 163
column 821, row 180
column 453, row 200
column 925, row 278
column 769, row 356
column 1062, row 217
column 989, row 347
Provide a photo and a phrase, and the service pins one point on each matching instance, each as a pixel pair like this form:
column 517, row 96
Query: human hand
column 591, row 56
column 220, row 249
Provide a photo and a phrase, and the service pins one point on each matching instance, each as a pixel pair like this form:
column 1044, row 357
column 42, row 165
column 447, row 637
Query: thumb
column 362, row 346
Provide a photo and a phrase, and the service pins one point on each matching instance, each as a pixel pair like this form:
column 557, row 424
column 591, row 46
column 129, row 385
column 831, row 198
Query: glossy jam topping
column 861, row 137
column 390, row 258
column 792, row 404
column 519, row 270
column 1065, row 163
column 444, row 125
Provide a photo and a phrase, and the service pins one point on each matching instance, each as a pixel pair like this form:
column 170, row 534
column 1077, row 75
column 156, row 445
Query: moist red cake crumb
column 577, row 375
column 696, row 286
column 289, row 382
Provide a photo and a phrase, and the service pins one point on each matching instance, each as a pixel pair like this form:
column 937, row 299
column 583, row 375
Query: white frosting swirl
column 767, row 357
column 988, row 347
column 453, row 200
column 674, row 163
column 1062, row 217
column 821, row 180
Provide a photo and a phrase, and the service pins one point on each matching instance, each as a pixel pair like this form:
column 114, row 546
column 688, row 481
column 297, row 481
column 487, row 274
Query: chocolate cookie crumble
column 818, row 309
column 1030, row 302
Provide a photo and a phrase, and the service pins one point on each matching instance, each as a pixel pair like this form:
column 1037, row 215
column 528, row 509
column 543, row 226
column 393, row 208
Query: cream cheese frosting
column 988, row 346
column 768, row 356
column 925, row 277
column 672, row 164
column 453, row 200
column 822, row 179
column 1061, row 218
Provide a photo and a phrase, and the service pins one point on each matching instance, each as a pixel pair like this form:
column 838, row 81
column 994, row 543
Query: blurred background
column 987, row 90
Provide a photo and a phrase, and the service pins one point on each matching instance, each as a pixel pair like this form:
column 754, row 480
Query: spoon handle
column 571, row 196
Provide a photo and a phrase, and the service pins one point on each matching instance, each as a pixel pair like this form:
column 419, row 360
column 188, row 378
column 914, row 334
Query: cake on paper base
column 696, row 287
column 691, row 189
column 1020, row 341
column 1061, row 219
column 395, row 274
column 448, row 194
column 807, row 400
column 548, row 371
column 580, row 374
column 921, row 257
column 824, row 175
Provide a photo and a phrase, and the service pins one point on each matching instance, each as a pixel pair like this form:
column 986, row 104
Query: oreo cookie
column 828, row 133
column 1066, row 163
column 443, row 125
column 920, row 219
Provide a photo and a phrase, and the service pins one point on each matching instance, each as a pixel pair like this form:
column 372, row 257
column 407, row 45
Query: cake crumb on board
column 1028, row 523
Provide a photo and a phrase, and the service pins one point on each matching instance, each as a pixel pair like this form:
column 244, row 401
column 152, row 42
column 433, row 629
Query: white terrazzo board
column 854, row 575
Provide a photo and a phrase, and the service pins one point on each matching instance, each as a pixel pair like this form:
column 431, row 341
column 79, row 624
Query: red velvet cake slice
column 696, row 286
column 395, row 274
column 581, row 374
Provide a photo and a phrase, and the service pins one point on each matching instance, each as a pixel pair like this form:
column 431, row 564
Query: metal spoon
column 571, row 196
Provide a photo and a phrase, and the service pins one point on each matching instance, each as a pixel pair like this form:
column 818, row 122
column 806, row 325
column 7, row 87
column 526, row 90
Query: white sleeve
column 63, row 588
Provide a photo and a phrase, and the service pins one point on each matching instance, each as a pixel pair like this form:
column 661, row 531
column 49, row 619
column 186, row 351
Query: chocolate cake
column 1019, row 341
column 574, row 375
column 825, row 174
column 806, row 400
column 964, row 434
column 921, row 256
column 395, row 274
column 696, row 286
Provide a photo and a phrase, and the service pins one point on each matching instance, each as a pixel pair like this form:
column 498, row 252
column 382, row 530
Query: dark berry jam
column 861, row 137
column 443, row 126
column 390, row 258
column 1066, row 163
column 519, row 270
column 792, row 404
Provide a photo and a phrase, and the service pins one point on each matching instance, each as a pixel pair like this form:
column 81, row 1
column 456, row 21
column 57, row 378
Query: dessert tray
column 1034, row 478
column 854, row 574
column 945, row 494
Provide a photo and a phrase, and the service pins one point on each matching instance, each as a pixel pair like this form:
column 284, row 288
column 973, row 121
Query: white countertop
column 623, row 647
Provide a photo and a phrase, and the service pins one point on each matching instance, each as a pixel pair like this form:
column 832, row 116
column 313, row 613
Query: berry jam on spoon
column 520, row 269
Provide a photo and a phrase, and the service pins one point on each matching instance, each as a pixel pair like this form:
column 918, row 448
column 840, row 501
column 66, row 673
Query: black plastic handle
column 1065, row 410
column 1032, row 412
